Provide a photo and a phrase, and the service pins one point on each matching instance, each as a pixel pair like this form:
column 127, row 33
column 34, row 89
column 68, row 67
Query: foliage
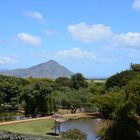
column 7, row 135
column 47, row 81
column 120, row 79
column 93, row 88
column 36, row 97
column 62, row 83
column 132, row 90
column 78, row 81
column 1, row 101
column 12, row 79
column 125, row 125
column 74, row 134
column 10, row 87
column 106, row 103
column 96, row 88
column 135, row 67
column 74, row 99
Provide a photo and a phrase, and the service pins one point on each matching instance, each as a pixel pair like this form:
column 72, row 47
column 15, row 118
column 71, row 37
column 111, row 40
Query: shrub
column 75, row 134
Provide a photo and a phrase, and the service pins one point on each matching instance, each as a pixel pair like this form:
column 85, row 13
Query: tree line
column 43, row 96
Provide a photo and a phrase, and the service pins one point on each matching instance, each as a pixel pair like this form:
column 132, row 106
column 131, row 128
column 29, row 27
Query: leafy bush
column 75, row 134
column 120, row 79
column 106, row 103
column 125, row 125
column 7, row 135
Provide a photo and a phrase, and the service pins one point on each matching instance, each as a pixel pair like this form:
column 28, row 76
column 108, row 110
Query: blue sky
column 95, row 37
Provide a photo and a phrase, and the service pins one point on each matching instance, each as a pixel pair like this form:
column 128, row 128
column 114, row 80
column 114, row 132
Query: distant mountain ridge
column 50, row 69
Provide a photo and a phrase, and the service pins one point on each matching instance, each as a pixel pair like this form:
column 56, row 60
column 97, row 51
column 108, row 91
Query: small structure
column 58, row 119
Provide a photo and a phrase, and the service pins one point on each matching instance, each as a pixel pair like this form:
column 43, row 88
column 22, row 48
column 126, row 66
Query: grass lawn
column 36, row 127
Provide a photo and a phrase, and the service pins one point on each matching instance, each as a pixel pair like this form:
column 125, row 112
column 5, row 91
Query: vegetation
column 135, row 67
column 107, row 103
column 42, row 96
column 78, row 81
column 74, row 134
column 38, row 127
column 36, row 97
column 74, row 100
column 6, row 135
column 117, row 99
column 125, row 121
column 10, row 87
column 120, row 79
column 125, row 125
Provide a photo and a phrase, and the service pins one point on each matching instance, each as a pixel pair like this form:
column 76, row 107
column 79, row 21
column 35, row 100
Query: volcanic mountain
column 50, row 69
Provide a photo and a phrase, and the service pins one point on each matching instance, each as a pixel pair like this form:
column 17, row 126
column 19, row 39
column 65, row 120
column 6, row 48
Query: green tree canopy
column 132, row 90
column 78, row 81
column 120, row 79
column 35, row 97
column 135, row 67
column 125, row 126
column 62, row 83
column 11, row 87
column 106, row 103
column 75, row 99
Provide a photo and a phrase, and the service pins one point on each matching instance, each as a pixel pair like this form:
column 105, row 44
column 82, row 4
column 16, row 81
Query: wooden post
column 55, row 126
column 59, row 127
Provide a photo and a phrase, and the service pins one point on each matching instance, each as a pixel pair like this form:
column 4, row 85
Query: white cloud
column 29, row 39
column 129, row 39
column 104, row 34
column 89, row 33
column 136, row 4
column 8, row 60
column 36, row 15
column 75, row 53
column 49, row 32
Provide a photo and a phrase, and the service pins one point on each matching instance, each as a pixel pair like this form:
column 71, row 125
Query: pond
column 87, row 125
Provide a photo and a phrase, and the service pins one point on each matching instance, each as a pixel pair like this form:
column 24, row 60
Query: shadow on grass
column 52, row 134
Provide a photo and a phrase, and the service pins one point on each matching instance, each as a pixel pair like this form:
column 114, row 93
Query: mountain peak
column 51, row 69
column 52, row 61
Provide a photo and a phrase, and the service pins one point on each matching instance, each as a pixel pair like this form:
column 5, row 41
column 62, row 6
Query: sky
column 95, row 37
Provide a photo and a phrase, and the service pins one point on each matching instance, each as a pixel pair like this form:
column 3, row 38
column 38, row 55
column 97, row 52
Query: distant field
column 97, row 80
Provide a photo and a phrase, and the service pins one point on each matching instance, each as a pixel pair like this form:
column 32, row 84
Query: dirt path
column 41, row 118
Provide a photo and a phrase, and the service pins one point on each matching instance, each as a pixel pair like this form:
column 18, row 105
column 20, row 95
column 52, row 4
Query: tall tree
column 78, row 81
column 135, row 67
column 11, row 87
column 35, row 98
column 75, row 99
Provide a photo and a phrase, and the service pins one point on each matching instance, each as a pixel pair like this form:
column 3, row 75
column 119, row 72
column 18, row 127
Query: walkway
column 41, row 118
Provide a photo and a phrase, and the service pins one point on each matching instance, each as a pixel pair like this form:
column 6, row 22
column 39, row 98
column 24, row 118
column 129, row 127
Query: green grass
column 37, row 127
